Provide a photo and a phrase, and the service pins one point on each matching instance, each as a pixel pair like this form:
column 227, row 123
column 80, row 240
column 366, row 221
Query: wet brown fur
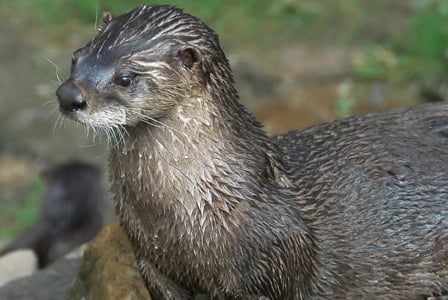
column 353, row 209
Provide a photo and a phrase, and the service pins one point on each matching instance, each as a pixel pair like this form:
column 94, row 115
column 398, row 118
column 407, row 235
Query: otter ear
column 189, row 57
column 107, row 17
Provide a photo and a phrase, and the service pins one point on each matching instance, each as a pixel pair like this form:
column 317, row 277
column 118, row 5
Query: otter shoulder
column 407, row 134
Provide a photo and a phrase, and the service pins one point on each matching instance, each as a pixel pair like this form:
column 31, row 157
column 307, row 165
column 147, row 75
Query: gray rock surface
column 17, row 264
column 51, row 283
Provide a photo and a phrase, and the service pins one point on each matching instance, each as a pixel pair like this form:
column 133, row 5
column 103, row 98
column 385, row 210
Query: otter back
column 354, row 209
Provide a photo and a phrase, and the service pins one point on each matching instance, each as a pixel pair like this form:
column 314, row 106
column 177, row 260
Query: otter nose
column 70, row 97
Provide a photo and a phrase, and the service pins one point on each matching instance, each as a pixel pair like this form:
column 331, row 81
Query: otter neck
column 201, row 157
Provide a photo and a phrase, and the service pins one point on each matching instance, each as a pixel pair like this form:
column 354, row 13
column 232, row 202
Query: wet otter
column 353, row 209
column 70, row 214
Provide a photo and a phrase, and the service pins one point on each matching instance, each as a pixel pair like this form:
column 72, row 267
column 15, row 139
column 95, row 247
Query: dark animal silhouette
column 70, row 215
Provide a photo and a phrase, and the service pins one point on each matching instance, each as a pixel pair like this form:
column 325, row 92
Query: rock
column 17, row 264
column 108, row 270
column 50, row 283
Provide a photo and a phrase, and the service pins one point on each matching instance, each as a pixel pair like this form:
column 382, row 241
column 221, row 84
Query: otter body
column 353, row 209
column 70, row 215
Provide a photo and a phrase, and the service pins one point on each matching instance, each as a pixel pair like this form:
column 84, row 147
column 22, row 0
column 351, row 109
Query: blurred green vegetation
column 241, row 18
column 344, row 102
column 420, row 52
column 417, row 52
column 22, row 216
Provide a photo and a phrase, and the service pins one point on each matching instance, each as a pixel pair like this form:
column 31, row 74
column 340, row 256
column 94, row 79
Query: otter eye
column 124, row 80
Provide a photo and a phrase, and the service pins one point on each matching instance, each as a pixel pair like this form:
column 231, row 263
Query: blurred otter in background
column 71, row 212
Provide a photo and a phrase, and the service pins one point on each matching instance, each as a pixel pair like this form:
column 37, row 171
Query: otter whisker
column 54, row 111
column 119, row 132
column 90, row 145
column 111, row 134
column 61, row 123
column 154, row 122
column 50, row 103
column 95, row 24
column 98, row 131
column 57, row 68
column 56, row 123
column 56, row 82
column 87, row 130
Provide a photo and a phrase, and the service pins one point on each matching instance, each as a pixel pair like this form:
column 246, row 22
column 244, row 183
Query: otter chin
column 352, row 209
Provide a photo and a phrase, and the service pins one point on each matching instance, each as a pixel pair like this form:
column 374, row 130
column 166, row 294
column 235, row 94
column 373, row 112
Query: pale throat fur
column 191, row 145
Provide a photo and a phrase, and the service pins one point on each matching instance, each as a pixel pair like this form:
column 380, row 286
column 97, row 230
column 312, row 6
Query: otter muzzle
column 70, row 98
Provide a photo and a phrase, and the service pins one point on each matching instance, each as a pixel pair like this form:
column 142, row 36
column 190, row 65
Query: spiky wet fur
column 345, row 210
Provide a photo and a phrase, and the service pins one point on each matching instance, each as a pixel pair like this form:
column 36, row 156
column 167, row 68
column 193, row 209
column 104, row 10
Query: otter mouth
column 74, row 105
column 113, row 117
column 72, row 115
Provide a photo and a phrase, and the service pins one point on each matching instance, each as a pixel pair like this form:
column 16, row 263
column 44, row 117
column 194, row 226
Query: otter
column 351, row 209
column 70, row 215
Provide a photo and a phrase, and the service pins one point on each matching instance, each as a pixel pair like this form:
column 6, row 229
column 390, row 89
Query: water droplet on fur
column 156, row 236
column 186, row 156
column 122, row 174
column 156, row 247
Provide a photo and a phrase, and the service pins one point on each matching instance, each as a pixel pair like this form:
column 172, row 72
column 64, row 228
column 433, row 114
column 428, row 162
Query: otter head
column 141, row 65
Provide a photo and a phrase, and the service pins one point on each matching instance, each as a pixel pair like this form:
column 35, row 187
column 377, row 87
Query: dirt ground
column 288, row 85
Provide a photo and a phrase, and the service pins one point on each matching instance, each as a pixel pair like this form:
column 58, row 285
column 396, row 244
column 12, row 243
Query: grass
column 263, row 21
column 425, row 46
column 375, row 62
column 241, row 18
column 344, row 102
column 23, row 215
column 418, row 53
